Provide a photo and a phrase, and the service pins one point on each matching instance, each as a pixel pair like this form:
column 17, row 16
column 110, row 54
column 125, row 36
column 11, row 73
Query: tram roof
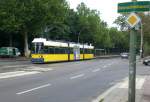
column 60, row 44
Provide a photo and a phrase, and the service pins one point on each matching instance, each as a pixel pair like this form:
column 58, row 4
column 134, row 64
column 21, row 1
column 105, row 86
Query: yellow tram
column 44, row 51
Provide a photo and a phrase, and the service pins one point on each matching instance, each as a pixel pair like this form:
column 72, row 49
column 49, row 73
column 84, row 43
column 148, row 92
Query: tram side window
column 91, row 51
column 88, row 51
column 85, row 51
column 64, row 50
column 45, row 50
column 56, row 50
column 81, row 50
column 71, row 50
column 60, row 50
column 51, row 50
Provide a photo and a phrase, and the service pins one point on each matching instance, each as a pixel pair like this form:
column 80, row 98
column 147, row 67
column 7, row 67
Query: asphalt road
column 80, row 81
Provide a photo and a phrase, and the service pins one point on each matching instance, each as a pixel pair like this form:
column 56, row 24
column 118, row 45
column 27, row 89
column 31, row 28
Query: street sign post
column 133, row 7
column 132, row 66
column 139, row 6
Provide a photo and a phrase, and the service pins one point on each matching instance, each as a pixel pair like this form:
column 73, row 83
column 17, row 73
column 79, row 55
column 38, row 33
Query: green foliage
column 120, row 21
column 93, row 30
column 54, row 19
column 120, row 39
column 146, row 49
column 146, row 33
column 30, row 16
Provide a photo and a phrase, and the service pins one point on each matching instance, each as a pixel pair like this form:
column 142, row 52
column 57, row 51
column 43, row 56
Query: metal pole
column 79, row 34
column 132, row 65
column 141, row 46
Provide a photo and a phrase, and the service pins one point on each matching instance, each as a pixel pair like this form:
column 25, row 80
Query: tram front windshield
column 37, row 48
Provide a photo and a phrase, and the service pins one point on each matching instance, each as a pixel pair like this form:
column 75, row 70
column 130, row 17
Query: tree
column 88, row 23
column 146, row 29
column 120, row 21
column 145, row 19
column 120, row 39
column 71, row 22
column 29, row 16
column 58, row 12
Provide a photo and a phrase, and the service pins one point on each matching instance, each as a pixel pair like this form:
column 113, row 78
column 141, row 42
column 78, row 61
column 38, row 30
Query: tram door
column 76, row 52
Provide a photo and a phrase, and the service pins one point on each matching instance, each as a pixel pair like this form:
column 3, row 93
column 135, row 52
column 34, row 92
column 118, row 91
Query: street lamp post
column 79, row 34
column 141, row 45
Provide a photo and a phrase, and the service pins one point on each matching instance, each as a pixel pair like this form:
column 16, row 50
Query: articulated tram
column 44, row 51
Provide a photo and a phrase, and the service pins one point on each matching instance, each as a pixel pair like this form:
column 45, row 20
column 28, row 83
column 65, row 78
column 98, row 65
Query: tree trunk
column 26, row 49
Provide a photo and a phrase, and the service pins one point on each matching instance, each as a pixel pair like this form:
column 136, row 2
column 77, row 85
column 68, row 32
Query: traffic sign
column 139, row 6
column 133, row 20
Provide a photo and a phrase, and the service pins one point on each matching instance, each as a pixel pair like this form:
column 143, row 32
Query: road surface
column 80, row 81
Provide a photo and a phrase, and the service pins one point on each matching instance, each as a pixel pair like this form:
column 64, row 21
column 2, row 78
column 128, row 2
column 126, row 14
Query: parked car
column 146, row 61
column 124, row 55
column 9, row 52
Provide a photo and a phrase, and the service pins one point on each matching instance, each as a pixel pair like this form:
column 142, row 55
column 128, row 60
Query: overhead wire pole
column 132, row 65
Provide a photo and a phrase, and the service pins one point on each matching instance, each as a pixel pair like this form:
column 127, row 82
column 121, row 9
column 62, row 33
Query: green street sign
column 139, row 6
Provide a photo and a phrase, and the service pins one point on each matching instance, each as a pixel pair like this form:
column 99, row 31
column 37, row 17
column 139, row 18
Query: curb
column 119, row 91
column 104, row 94
column 107, row 56
column 13, row 59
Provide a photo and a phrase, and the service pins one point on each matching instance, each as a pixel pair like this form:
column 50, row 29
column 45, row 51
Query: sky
column 107, row 8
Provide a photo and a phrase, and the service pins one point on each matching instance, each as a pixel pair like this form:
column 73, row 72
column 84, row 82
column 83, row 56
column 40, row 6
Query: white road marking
column 96, row 70
column 33, row 68
column 12, row 66
column 16, row 73
column 33, row 89
column 109, row 64
column 104, row 66
column 77, row 76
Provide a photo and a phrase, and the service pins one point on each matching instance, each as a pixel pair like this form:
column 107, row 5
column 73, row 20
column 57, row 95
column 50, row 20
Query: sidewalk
column 11, row 64
column 146, row 91
column 14, row 59
column 119, row 92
